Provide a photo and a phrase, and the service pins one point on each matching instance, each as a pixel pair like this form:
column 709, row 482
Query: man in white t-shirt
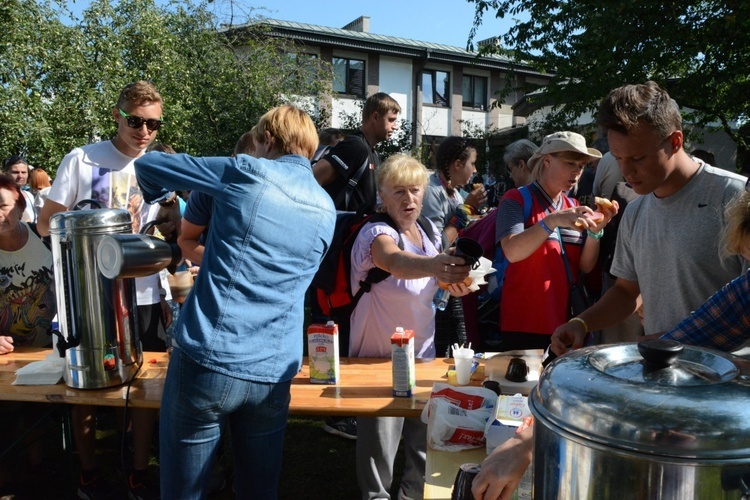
column 103, row 171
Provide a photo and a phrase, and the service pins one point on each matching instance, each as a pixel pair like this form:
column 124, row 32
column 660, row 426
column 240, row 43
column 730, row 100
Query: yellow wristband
column 579, row 320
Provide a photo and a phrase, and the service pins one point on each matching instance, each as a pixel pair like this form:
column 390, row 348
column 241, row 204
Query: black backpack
column 348, row 188
column 334, row 294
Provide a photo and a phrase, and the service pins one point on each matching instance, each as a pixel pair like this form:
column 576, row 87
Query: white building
column 438, row 86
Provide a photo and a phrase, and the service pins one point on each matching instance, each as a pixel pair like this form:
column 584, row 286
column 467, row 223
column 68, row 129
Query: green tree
column 697, row 49
column 58, row 82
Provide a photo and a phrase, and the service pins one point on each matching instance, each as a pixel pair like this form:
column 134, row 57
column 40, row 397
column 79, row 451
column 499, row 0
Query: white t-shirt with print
column 101, row 172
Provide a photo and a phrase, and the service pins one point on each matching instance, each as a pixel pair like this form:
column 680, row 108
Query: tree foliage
column 59, row 81
column 697, row 49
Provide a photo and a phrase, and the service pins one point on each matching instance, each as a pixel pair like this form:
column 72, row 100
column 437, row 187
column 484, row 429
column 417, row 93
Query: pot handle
column 660, row 353
column 83, row 203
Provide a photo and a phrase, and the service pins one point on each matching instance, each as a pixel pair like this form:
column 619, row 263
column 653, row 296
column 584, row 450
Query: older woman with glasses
column 516, row 158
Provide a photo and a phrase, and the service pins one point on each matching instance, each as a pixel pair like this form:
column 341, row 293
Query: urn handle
column 660, row 353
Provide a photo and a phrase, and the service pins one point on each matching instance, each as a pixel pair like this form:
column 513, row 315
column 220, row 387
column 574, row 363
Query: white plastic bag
column 456, row 416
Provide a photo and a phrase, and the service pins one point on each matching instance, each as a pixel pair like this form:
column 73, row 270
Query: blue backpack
column 500, row 263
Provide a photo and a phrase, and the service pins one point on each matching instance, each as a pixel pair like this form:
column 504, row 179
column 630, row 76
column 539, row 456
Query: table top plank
column 364, row 389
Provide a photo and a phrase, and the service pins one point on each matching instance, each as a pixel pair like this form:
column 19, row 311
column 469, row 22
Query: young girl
column 723, row 322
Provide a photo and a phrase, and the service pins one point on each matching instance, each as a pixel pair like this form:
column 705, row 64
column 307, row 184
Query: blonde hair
column 402, row 170
column 536, row 173
column 38, row 179
column 737, row 229
column 291, row 128
column 138, row 94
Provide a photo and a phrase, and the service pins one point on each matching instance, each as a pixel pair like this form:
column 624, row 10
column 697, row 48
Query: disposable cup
column 463, row 359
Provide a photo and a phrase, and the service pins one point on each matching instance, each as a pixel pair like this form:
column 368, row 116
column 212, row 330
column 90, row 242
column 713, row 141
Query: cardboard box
column 402, row 358
column 509, row 414
column 323, row 353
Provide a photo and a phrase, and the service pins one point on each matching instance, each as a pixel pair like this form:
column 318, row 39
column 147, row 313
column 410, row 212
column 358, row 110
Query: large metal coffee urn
column 97, row 310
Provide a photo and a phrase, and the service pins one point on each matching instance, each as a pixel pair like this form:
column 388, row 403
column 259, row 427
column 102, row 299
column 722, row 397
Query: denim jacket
column 271, row 225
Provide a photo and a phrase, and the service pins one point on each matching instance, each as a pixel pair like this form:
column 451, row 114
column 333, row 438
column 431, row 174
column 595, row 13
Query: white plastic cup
column 463, row 359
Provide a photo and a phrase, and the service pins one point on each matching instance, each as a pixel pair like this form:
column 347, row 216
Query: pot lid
column 657, row 397
column 109, row 219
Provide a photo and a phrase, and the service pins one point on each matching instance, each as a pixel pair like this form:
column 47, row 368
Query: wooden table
column 364, row 389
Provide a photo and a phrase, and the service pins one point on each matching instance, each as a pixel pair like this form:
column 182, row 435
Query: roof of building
column 389, row 45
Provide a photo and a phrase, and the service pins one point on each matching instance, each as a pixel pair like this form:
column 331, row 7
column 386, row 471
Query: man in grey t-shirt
column 668, row 245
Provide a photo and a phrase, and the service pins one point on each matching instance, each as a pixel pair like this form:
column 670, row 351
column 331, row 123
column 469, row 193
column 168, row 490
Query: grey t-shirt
column 607, row 176
column 671, row 247
column 437, row 205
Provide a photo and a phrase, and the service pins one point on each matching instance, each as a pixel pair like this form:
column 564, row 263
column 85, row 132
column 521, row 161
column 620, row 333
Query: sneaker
column 94, row 487
column 140, row 489
column 345, row 427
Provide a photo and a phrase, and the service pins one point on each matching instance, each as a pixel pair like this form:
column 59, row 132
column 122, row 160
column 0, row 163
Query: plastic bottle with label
column 441, row 299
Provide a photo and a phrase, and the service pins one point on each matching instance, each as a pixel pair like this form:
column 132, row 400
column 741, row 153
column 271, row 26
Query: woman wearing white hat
column 536, row 288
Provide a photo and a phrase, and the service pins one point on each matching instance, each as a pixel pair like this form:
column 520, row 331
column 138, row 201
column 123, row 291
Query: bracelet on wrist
column 545, row 227
column 582, row 322
column 458, row 222
column 467, row 208
column 596, row 236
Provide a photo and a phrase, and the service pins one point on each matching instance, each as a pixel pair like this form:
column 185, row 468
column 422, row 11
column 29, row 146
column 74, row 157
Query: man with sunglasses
column 104, row 171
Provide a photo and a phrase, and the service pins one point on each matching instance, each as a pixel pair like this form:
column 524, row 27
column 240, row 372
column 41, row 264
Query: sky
column 439, row 21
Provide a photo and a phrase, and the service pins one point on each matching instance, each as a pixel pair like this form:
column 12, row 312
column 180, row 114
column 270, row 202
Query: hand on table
column 6, row 344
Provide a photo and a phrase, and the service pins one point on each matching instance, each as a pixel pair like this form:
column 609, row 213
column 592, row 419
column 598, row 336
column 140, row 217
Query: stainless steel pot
column 655, row 420
column 97, row 315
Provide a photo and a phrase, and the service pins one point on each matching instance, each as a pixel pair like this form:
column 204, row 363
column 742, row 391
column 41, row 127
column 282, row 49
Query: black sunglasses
column 137, row 122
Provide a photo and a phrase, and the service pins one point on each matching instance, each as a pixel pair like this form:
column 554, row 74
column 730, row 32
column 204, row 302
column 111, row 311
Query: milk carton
column 402, row 359
column 323, row 353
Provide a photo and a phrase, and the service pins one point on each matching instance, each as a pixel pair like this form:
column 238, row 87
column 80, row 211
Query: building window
column 436, row 88
column 349, row 76
column 305, row 73
column 474, row 91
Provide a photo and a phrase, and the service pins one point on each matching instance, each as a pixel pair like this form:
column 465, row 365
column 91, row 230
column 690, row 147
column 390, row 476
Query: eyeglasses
column 137, row 122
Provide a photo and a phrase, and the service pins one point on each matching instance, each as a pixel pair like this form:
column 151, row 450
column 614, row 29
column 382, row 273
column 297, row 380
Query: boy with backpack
column 347, row 171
